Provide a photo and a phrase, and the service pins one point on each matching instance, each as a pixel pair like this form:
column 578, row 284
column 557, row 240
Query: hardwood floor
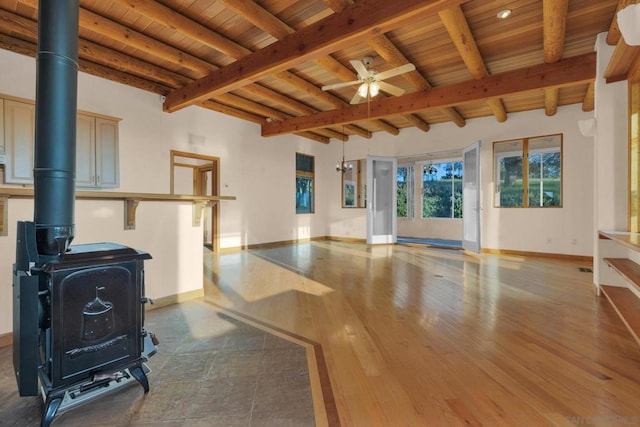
column 429, row 337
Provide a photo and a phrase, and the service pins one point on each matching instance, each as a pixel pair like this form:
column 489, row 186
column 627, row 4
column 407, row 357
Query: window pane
column 508, row 173
column 304, row 163
column 457, row 190
column 402, row 189
column 545, row 171
column 535, row 165
column 304, row 194
column 440, row 190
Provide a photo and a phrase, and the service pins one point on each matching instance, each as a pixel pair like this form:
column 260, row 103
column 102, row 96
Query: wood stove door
column 96, row 320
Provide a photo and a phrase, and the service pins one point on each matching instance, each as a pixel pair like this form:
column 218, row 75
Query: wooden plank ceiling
column 265, row 61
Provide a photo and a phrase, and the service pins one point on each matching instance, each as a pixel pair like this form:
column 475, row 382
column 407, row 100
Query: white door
column 471, row 198
column 381, row 200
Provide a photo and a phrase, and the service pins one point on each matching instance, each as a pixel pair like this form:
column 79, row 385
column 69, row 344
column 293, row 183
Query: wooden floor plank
column 415, row 336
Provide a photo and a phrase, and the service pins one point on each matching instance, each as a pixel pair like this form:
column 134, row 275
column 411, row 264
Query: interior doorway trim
column 200, row 165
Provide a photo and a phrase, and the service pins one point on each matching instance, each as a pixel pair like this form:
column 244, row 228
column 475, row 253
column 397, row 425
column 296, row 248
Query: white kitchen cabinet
column 19, row 136
column 97, row 152
column 97, row 163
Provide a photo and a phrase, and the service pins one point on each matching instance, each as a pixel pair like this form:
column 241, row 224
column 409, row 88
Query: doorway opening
column 199, row 175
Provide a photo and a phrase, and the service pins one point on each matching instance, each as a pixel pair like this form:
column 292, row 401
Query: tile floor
column 210, row 370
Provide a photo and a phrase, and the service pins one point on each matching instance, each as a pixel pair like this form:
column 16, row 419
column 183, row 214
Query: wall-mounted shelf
column 131, row 201
column 620, row 253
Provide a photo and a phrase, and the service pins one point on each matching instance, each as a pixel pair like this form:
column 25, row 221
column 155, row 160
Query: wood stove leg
column 50, row 409
column 139, row 374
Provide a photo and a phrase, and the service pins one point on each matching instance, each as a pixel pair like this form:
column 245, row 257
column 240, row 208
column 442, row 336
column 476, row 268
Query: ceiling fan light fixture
column 362, row 90
column 504, row 14
column 374, row 89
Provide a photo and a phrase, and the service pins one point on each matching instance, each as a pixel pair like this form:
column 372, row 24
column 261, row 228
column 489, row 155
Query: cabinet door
column 107, row 169
column 86, row 151
column 19, row 131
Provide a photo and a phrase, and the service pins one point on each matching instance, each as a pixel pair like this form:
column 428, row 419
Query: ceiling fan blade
column 360, row 68
column 339, row 85
column 356, row 99
column 395, row 71
column 391, row 89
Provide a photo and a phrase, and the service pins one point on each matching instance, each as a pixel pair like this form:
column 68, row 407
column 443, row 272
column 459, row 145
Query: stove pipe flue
column 55, row 137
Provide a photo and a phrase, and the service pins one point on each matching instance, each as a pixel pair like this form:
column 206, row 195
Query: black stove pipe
column 55, row 137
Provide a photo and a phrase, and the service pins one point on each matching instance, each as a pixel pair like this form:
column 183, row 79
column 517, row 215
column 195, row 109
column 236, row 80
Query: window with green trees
column 540, row 174
column 405, row 191
column 442, row 189
column 304, row 183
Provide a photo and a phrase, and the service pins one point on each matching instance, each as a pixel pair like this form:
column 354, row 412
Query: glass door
column 381, row 200
column 471, row 198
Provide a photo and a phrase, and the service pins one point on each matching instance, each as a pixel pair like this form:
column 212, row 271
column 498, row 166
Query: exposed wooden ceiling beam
column 313, row 136
column 116, row 31
column 613, row 35
column 457, row 26
column 96, row 53
column 621, row 61
column 588, row 104
column 354, row 24
column 554, row 24
column 172, row 19
column 270, row 24
column 551, row 100
column 569, row 71
column 497, row 108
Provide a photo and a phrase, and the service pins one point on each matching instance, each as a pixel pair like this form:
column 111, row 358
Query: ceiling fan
column 370, row 81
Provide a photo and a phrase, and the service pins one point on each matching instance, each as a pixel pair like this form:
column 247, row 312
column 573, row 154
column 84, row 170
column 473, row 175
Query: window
column 354, row 176
column 540, row 175
column 442, row 189
column 405, row 191
column 304, row 183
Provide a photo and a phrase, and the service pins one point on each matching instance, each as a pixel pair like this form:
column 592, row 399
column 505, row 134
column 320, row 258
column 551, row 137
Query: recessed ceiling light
column 504, row 14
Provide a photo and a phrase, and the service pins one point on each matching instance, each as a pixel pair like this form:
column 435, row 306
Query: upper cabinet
column 97, row 152
column 107, row 172
column 96, row 146
column 19, row 136
column 86, row 151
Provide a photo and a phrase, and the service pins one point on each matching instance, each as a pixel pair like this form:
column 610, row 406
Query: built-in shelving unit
column 131, row 201
column 620, row 254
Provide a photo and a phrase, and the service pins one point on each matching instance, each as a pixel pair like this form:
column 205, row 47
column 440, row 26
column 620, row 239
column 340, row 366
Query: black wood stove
column 78, row 311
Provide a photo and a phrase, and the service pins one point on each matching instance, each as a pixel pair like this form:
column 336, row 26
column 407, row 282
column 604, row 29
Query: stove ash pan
column 96, row 312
